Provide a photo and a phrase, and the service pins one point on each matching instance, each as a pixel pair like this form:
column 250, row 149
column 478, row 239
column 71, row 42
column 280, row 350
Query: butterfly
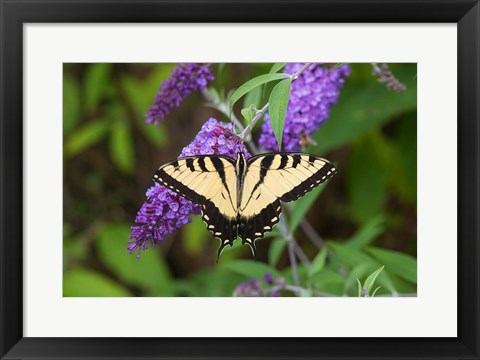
column 242, row 197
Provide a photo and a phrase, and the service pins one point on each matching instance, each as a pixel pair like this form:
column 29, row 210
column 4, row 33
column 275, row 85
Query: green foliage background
column 366, row 216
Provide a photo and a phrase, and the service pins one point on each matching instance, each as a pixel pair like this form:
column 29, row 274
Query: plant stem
column 263, row 110
column 312, row 234
column 293, row 263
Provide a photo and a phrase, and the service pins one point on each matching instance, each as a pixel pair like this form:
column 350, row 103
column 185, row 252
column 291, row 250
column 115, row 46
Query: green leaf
column 194, row 236
column 371, row 279
column 362, row 107
column 85, row 137
column 375, row 291
column 252, row 84
column 150, row 272
column 249, row 113
column 324, row 277
column 367, row 233
column 250, row 269
column 157, row 135
column 275, row 251
column 349, row 256
column 359, row 288
column 318, row 262
column 96, row 83
column 71, row 103
column 277, row 67
column 366, row 181
column 278, row 108
column 122, row 147
column 253, row 97
column 357, row 272
column 86, row 283
column 402, row 265
column 301, row 206
column 141, row 93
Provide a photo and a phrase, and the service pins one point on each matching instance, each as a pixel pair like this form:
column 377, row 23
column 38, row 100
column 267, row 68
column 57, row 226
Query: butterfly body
column 242, row 197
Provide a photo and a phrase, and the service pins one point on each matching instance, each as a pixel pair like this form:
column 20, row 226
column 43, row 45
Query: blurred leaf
column 401, row 286
column 252, row 84
column 275, row 251
column 194, row 236
column 149, row 272
column 350, row 256
column 142, row 93
column 402, row 265
column 122, row 147
column 277, row 67
column 86, row 136
column 386, row 279
column 86, row 283
column 375, row 291
column 156, row 134
column 253, row 98
column 318, row 262
column 359, row 288
column 366, row 181
column 71, row 103
column 250, row 269
column 278, row 108
column 406, row 134
column 324, row 277
column 367, row 233
column 362, row 107
column 356, row 273
column 96, row 83
column 300, row 207
column 371, row 279
column 214, row 282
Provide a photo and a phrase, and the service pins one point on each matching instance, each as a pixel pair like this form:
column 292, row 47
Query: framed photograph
column 247, row 180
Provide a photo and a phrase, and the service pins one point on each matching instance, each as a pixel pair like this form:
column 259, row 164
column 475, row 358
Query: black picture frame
column 14, row 13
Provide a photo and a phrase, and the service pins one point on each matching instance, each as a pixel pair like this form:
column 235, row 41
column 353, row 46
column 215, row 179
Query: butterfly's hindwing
column 259, row 221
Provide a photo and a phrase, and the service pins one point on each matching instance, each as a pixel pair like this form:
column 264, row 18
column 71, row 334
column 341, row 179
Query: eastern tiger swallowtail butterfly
column 241, row 198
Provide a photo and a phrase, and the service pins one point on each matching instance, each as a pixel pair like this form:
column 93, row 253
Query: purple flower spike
column 165, row 211
column 268, row 278
column 252, row 287
column 185, row 79
column 312, row 95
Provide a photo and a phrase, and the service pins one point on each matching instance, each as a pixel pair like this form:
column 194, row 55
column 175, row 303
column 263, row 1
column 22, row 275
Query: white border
column 433, row 313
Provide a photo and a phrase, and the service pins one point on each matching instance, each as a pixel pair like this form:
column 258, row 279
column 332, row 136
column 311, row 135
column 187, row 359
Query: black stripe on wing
column 221, row 227
column 318, row 177
column 291, row 166
column 166, row 179
column 253, row 228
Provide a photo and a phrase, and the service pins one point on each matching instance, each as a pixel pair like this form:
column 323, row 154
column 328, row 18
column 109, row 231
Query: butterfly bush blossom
column 254, row 287
column 312, row 95
column 165, row 211
column 185, row 79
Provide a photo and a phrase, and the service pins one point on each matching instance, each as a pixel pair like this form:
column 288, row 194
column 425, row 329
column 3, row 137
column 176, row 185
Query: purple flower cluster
column 312, row 95
column 165, row 211
column 185, row 79
column 254, row 287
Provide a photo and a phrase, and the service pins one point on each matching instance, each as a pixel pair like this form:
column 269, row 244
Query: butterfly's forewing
column 210, row 181
column 270, row 177
column 289, row 176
